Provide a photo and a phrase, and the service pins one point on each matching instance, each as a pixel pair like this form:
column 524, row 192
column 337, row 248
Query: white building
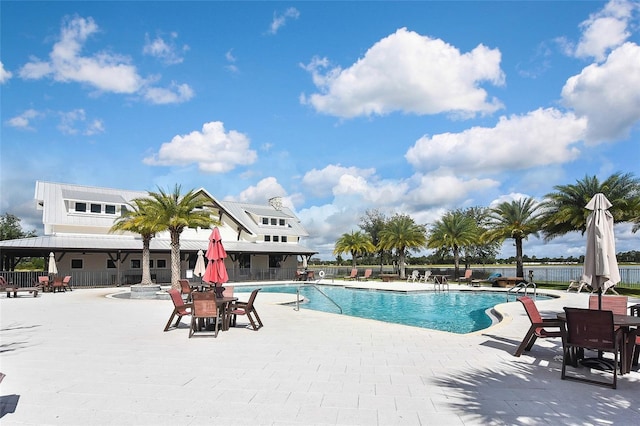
column 262, row 241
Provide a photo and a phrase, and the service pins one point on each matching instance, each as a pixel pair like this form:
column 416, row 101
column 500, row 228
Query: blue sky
column 338, row 107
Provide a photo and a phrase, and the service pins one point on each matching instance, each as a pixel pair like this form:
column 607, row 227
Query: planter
column 139, row 291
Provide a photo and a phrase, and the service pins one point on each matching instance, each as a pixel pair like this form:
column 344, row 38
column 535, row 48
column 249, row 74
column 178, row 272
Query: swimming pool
column 454, row 311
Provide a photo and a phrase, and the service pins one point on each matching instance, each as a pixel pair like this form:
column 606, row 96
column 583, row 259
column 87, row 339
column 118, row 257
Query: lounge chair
column 353, row 276
column 594, row 330
column 180, row 308
column 537, row 328
column 248, row 309
column 204, row 310
column 66, row 283
column 579, row 284
column 425, row 277
column 415, row 276
column 44, row 282
column 366, row 276
column 467, row 277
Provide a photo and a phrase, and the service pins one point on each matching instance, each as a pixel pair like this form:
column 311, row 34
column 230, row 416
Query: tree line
column 476, row 234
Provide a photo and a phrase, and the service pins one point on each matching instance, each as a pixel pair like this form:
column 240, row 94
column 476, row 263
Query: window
column 282, row 223
column 110, row 209
column 276, row 239
column 274, row 221
column 76, row 263
column 244, row 260
column 265, row 220
column 275, row 260
column 283, row 238
column 96, row 208
column 267, row 238
column 111, row 264
column 161, row 263
column 135, row 263
column 81, row 207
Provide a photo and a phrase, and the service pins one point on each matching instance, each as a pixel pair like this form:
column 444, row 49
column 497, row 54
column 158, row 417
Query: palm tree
column 356, row 243
column 564, row 209
column 452, row 232
column 516, row 219
column 401, row 233
column 140, row 219
column 175, row 212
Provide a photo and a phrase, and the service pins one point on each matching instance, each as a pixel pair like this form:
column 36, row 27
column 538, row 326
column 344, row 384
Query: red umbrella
column 216, row 271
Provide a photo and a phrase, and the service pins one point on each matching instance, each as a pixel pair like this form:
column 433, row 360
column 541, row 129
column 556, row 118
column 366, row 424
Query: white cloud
column 213, row 149
column 279, row 20
column 107, row 72
column 608, row 94
column 263, row 191
column 541, row 137
column 321, row 182
column 75, row 122
column 165, row 50
column 176, row 93
column 410, row 73
column 23, row 121
column 434, row 190
column 605, row 30
column 231, row 61
column 4, row 74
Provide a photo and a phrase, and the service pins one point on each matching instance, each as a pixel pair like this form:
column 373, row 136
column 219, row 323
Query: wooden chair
column 204, row 309
column 57, row 285
column 594, row 330
column 248, row 309
column 44, row 282
column 180, row 308
column 537, row 328
column 185, row 289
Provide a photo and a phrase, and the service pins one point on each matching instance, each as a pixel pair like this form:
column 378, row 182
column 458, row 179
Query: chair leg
column 527, row 342
column 258, row 318
column 173, row 314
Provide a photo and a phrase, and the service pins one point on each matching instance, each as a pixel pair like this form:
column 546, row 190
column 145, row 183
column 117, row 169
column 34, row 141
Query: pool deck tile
column 81, row 358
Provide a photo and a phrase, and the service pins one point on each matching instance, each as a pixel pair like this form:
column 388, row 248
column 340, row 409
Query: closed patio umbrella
column 200, row 267
column 53, row 268
column 600, row 263
column 216, row 272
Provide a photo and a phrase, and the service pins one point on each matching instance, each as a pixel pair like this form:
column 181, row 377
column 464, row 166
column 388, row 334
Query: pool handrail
column 523, row 285
column 297, row 308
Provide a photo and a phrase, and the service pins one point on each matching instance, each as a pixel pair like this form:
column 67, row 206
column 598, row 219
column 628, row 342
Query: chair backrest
column 531, row 309
column 228, row 291
column 204, row 304
column 3, row 281
column 427, row 274
column 43, row 279
column 467, row 273
column 252, row 298
column 616, row 304
column 185, row 287
column 178, row 303
column 415, row 274
column 354, row 273
column 590, row 328
column 66, row 279
column 367, row 273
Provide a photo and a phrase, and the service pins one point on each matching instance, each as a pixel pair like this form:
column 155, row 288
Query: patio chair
column 185, row 289
column 594, row 330
column 44, row 282
column 227, row 291
column 616, row 304
column 66, row 283
column 248, row 309
column 537, row 328
column 180, row 308
column 467, row 276
column 579, row 284
column 366, row 276
column 415, row 276
column 353, row 276
column 204, row 309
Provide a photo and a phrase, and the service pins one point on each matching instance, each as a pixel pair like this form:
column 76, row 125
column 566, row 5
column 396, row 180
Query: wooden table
column 389, row 277
column 223, row 304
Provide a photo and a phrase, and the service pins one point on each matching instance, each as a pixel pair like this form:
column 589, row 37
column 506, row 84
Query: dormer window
column 265, row 220
column 96, row 208
column 81, row 207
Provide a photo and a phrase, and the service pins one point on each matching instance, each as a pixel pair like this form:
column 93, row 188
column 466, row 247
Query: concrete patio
column 81, row 358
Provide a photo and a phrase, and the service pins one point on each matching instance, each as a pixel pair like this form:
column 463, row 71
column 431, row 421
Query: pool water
column 454, row 311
